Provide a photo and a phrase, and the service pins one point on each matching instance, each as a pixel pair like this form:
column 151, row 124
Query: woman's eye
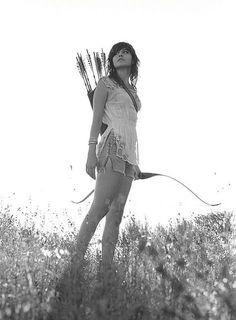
column 125, row 51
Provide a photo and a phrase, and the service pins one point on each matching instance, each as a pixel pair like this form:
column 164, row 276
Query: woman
column 116, row 155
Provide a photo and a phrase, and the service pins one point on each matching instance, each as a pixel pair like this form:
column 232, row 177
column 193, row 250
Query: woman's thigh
column 108, row 185
column 114, row 216
column 119, row 200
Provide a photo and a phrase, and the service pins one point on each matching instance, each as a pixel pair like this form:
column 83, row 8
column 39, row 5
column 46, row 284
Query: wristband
column 93, row 140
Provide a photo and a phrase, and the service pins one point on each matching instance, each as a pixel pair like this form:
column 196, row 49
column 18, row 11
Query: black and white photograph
column 117, row 165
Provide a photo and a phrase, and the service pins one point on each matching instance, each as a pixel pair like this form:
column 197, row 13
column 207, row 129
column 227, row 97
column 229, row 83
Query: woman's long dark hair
column 134, row 68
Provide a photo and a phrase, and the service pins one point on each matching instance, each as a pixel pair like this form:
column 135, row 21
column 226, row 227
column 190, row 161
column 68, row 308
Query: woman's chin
column 122, row 65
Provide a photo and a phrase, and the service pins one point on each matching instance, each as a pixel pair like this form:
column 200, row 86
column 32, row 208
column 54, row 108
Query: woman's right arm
column 99, row 101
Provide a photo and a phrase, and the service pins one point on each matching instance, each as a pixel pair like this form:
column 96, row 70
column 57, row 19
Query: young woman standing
column 116, row 155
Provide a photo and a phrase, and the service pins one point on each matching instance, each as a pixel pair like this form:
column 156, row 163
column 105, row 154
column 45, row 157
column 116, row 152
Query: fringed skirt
column 109, row 153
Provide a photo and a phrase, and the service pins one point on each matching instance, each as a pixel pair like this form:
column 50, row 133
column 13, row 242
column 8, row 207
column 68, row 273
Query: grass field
column 186, row 270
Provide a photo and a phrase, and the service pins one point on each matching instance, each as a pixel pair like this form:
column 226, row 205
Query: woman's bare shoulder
column 109, row 83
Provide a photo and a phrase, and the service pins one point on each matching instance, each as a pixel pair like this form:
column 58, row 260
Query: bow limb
column 146, row 175
column 164, row 175
column 84, row 198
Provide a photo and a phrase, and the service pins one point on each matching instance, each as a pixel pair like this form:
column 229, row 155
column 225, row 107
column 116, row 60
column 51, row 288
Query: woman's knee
column 114, row 216
column 118, row 202
column 98, row 211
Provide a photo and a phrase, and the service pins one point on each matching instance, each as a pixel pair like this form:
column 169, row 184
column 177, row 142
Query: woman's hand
column 137, row 172
column 91, row 163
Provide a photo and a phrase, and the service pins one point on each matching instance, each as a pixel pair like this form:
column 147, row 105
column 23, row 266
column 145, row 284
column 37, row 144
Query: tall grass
column 186, row 270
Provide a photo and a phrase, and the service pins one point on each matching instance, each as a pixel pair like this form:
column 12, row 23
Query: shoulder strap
column 131, row 96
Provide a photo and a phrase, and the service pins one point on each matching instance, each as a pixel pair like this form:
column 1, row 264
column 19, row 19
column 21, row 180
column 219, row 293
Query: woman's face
column 122, row 58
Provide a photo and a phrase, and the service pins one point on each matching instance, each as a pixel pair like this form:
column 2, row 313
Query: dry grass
column 184, row 271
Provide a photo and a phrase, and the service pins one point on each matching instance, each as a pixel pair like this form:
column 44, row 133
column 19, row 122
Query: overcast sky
column 186, row 84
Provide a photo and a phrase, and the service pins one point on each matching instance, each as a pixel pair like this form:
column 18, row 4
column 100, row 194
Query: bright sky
column 186, row 84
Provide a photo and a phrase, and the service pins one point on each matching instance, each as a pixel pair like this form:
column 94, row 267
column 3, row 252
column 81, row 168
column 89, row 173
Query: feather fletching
column 95, row 61
column 103, row 56
column 89, row 59
column 91, row 65
column 99, row 65
column 83, row 67
column 80, row 67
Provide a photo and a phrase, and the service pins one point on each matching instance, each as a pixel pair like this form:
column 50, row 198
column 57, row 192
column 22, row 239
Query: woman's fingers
column 137, row 172
column 91, row 171
column 91, row 165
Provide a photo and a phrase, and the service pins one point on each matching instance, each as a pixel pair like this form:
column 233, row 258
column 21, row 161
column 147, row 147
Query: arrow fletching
column 91, row 66
column 83, row 72
column 99, row 65
column 104, row 63
column 96, row 64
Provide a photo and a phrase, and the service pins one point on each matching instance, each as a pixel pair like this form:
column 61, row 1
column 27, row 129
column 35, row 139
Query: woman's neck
column 124, row 74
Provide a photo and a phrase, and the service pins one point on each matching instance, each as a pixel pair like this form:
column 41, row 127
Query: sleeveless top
column 121, row 117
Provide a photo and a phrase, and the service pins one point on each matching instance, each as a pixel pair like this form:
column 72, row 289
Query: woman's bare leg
column 113, row 220
column 107, row 187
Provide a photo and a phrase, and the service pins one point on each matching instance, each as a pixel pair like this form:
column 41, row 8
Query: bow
column 146, row 175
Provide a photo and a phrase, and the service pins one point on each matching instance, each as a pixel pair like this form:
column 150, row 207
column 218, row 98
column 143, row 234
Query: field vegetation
column 184, row 271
